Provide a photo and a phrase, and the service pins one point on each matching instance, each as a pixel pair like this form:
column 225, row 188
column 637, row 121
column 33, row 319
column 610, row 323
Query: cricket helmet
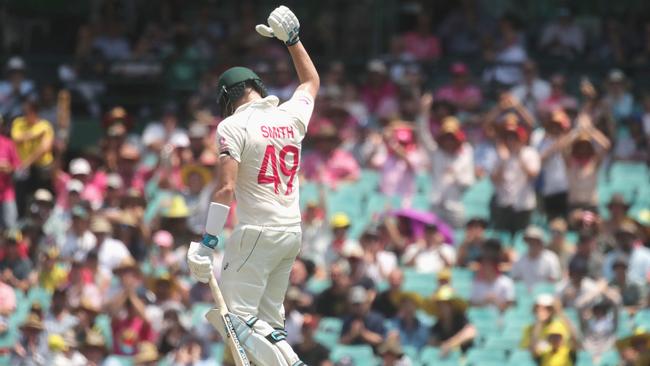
column 232, row 84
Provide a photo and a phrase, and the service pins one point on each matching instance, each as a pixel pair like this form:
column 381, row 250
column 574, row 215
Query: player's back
column 266, row 140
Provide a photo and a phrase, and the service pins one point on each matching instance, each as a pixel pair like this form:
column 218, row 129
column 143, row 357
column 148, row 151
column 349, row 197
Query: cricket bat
column 238, row 353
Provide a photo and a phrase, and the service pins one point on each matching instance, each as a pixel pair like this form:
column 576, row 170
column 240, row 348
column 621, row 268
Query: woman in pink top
column 327, row 163
column 421, row 44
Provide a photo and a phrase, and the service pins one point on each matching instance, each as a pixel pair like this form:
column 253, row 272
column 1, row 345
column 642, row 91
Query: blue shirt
column 417, row 335
column 373, row 322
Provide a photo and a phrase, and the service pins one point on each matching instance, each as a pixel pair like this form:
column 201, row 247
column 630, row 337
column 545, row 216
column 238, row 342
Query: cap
column 578, row 266
column 545, row 300
column 450, row 124
column 444, row 274
column 340, row 221
column 177, row 208
column 534, row 233
column 43, row 195
column 558, row 224
column 163, row 238
column 16, row 63
column 617, row 199
column 75, row 185
column 79, row 166
column 100, row 225
column 352, row 251
column 179, row 139
column 358, row 295
column 129, row 152
column 198, row 130
column 113, row 180
column 627, row 227
column 459, row 68
column 377, row 66
column 616, row 76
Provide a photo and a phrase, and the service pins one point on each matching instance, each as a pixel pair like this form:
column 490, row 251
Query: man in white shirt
column 430, row 255
column 629, row 244
column 538, row 265
column 563, row 37
column 111, row 251
column 259, row 146
column 79, row 240
column 532, row 90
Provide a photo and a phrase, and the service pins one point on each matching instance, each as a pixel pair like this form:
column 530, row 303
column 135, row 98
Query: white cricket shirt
column 266, row 140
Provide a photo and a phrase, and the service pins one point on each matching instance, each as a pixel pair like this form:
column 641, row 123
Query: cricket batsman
column 260, row 144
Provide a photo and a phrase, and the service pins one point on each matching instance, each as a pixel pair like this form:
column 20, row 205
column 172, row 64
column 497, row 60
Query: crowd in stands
column 497, row 215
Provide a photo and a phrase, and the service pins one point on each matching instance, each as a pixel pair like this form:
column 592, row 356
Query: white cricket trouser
column 255, row 271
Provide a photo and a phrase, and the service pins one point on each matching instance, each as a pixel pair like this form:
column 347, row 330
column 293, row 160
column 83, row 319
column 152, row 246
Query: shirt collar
column 269, row 101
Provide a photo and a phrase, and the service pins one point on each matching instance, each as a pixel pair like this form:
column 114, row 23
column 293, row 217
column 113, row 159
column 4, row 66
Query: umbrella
column 419, row 219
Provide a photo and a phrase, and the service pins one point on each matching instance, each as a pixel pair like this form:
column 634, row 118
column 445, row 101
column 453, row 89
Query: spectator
column 578, row 291
column 554, row 181
column 558, row 99
column 635, row 349
column 471, row 249
column 559, row 243
column 191, row 352
column 431, row 254
column 378, row 93
column 619, row 100
column 379, row 262
column 632, row 292
column 538, row 265
column 587, row 249
column 112, row 43
column 555, row 351
column 628, row 243
column 386, row 302
column 147, row 354
column 34, row 138
column 533, row 90
column 130, row 329
column 80, row 240
column 463, row 95
column 618, row 213
column 452, row 329
column 7, row 301
column 340, row 240
column 514, row 177
column 549, row 319
column 328, row 163
column 398, row 160
column 490, row 287
column 309, row 350
column 31, row 348
column 59, row 319
column 315, row 232
column 80, row 285
column 52, row 274
column 599, row 321
column 563, row 37
column 361, row 325
column 194, row 178
column 507, row 58
column 420, row 44
column 94, row 348
column 111, row 252
column 333, row 300
column 16, row 269
column 391, row 353
column 284, row 84
column 451, row 161
column 16, row 89
column 9, row 162
column 410, row 330
column 81, row 171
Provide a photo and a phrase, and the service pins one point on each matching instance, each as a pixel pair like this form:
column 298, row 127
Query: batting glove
column 199, row 260
column 283, row 25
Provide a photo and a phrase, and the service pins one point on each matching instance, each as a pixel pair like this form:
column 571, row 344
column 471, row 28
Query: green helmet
column 232, row 84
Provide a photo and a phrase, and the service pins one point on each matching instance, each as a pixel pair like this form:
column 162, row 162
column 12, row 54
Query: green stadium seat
column 119, row 360
column 199, row 310
column 216, row 351
column 504, row 342
column 520, row 357
column 642, row 319
column 430, row 356
column 39, row 295
column 584, row 359
column 421, row 283
column 481, row 356
column 317, row 286
column 360, row 355
column 411, row 352
column 329, row 331
column 610, row 358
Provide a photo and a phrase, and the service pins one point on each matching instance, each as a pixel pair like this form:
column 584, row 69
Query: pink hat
column 163, row 238
column 459, row 68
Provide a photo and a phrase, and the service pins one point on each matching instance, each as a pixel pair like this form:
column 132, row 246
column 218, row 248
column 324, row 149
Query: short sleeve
column 231, row 140
column 299, row 107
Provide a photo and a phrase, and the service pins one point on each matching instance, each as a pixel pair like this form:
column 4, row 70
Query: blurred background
column 474, row 186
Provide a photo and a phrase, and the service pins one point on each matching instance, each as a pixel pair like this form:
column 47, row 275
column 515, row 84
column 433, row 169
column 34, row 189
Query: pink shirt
column 397, row 175
column 422, row 47
column 9, row 155
column 7, row 299
column 330, row 170
column 376, row 97
column 91, row 193
column 128, row 333
column 457, row 95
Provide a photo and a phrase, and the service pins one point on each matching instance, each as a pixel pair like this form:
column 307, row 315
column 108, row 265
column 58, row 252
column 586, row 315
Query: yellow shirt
column 42, row 129
column 51, row 280
column 561, row 357
column 525, row 340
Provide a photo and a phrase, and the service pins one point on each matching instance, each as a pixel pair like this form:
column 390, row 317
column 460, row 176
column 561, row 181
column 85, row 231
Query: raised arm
column 284, row 25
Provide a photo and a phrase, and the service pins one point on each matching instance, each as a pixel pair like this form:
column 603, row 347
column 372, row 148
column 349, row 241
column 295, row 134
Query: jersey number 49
column 271, row 159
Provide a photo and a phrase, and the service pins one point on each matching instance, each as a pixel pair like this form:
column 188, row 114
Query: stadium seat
column 422, row 283
column 610, row 358
column 481, row 356
column 329, row 331
column 642, row 319
column 316, row 286
column 360, row 355
column 520, row 357
column 198, row 312
column 504, row 342
column 430, row 356
column 114, row 360
column 216, row 351
column 584, row 359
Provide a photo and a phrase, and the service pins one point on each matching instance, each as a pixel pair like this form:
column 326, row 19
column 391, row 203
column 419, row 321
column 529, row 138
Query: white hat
column 43, row 195
column 358, row 295
column 16, row 63
column 75, row 185
column 80, row 166
column 545, row 300
column 154, row 133
column 179, row 139
column 114, row 181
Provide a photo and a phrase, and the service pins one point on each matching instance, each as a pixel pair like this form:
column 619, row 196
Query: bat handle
column 216, row 293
